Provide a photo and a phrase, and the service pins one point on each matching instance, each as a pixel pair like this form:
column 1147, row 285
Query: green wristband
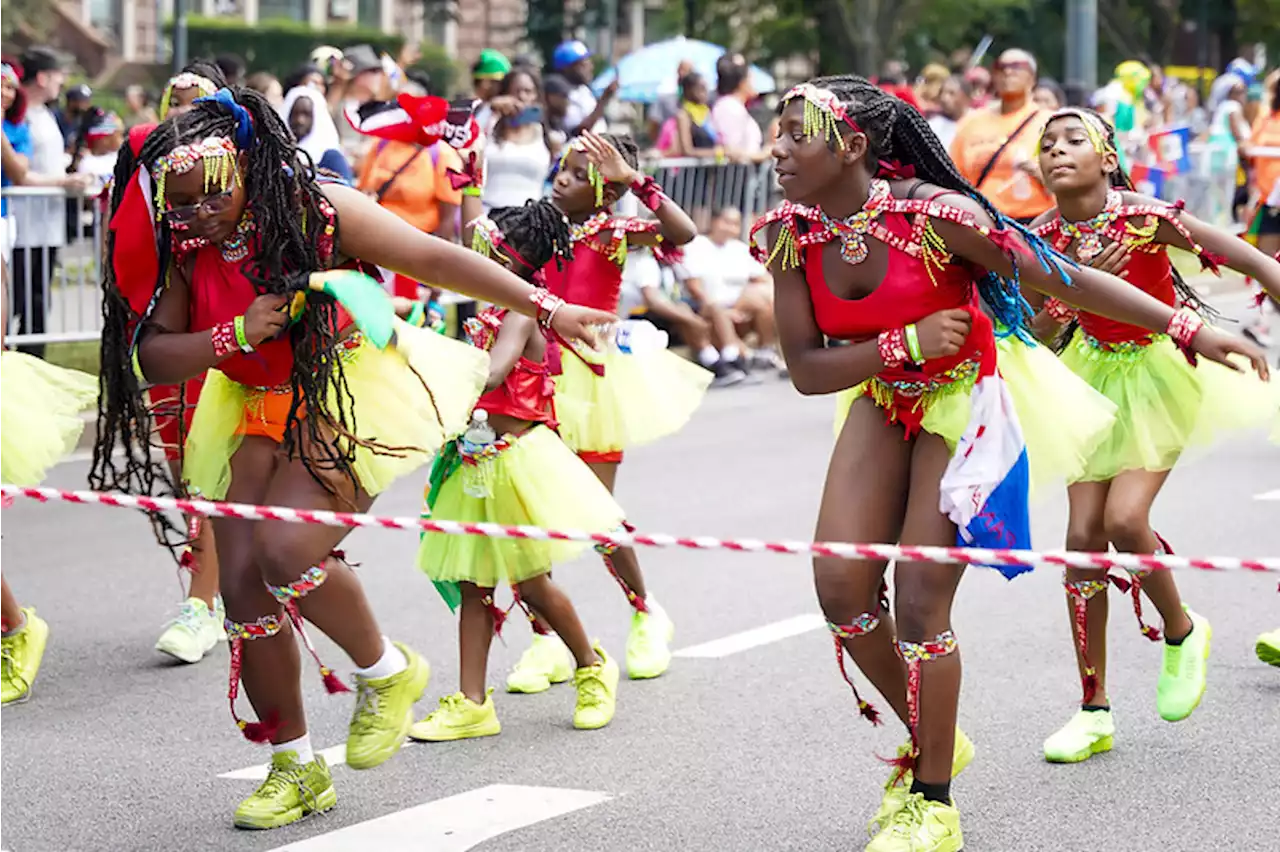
column 473, row 191
column 913, row 344
column 241, row 340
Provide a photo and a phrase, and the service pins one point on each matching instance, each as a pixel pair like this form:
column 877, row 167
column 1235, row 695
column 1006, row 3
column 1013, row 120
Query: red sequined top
column 528, row 391
column 922, row 278
column 594, row 278
column 1149, row 268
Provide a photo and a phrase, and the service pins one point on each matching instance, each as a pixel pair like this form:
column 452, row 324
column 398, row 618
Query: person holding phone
column 517, row 160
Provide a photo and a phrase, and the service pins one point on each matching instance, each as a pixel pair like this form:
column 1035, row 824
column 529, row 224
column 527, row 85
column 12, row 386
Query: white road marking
column 755, row 637
column 1268, row 495
column 334, row 756
column 454, row 824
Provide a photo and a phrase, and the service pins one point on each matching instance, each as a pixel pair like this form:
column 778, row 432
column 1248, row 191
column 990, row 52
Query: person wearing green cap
column 486, row 77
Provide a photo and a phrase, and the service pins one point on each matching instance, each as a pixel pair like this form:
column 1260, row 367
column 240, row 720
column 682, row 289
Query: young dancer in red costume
column 1165, row 405
column 608, row 402
column 298, row 409
column 895, row 265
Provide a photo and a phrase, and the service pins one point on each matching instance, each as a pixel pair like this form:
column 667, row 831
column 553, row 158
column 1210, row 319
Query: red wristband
column 1182, row 329
column 893, row 347
column 648, row 192
column 547, row 305
column 224, row 339
column 1059, row 310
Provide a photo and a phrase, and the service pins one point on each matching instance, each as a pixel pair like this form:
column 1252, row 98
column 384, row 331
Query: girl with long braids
column 298, row 408
column 527, row 476
column 896, row 266
column 610, row 401
column 1165, row 406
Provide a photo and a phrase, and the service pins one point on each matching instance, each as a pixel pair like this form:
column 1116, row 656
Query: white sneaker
column 193, row 633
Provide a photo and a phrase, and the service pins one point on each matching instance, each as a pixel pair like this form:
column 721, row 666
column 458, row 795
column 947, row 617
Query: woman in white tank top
column 517, row 160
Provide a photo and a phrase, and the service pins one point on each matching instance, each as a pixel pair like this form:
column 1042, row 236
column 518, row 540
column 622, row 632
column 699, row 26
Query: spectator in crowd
column 232, row 68
column 102, row 143
column 71, row 116
column 573, row 60
column 929, row 88
column 266, row 84
column 646, row 292
column 555, row 97
column 953, row 106
column 138, row 108
column 997, row 149
column 305, row 111
column 690, row 132
column 978, row 80
column 309, row 74
column 1048, row 95
column 668, row 103
column 529, row 62
column 1265, row 221
column 733, row 292
column 736, row 129
column 40, row 223
column 358, row 79
column 517, row 159
column 487, row 75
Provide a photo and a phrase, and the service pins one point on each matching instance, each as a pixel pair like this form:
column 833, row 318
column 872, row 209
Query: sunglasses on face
column 213, row 205
column 1013, row 66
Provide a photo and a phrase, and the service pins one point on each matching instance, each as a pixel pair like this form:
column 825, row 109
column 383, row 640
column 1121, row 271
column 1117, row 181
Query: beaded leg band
column 863, row 625
column 915, row 654
column 1080, row 592
column 606, row 551
column 534, row 623
column 238, row 633
column 289, row 595
column 1134, row 587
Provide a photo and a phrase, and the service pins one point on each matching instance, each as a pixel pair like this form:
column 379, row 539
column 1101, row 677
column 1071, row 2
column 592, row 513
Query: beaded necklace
column 1088, row 234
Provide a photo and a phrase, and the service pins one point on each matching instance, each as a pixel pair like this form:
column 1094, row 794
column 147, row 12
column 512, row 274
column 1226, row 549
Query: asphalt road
column 740, row 746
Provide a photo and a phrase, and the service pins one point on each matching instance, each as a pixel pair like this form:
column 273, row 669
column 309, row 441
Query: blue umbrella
column 650, row 72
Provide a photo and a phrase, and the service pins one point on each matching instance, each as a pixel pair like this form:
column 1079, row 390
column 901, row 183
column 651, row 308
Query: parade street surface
column 750, row 742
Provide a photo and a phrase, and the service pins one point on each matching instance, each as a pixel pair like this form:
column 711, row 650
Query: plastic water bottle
column 637, row 337
column 477, row 470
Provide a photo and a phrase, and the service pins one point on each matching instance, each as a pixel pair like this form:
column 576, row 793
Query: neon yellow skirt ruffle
column 640, row 399
column 39, row 422
column 391, row 407
column 536, row 481
column 1164, row 405
column 1063, row 420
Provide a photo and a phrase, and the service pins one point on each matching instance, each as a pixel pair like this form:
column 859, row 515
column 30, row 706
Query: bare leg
column 757, row 304
column 475, row 635
column 625, row 561
column 10, row 612
column 554, row 605
column 204, row 580
column 1129, row 528
column 865, row 499
column 1086, row 531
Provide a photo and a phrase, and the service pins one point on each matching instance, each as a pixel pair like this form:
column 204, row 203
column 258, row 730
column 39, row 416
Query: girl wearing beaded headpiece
column 299, row 407
column 197, row 80
column 526, row 476
column 1166, row 406
column 607, row 402
column 881, row 243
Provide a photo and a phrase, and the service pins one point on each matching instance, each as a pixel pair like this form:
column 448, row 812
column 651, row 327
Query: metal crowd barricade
column 1210, row 187
column 702, row 186
column 53, row 292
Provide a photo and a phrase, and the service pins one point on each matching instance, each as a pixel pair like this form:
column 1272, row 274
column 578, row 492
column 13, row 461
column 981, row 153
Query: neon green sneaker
column 292, row 790
column 920, row 825
column 1183, row 676
column 193, row 633
column 384, row 712
column 1268, row 648
column 459, row 718
column 649, row 644
column 1088, row 733
column 895, row 795
column 20, row 657
column 597, row 687
column 545, row 662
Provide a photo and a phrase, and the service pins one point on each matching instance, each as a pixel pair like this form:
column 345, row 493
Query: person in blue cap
column 572, row 59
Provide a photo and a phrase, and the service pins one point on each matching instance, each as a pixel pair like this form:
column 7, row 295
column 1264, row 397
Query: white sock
column 708, row 355
column 301, row 747
column 391, row 662
column 730, row 353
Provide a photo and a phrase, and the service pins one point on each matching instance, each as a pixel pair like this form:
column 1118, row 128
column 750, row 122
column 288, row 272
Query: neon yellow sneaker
column 1088, row 733
column 1268, row 648
column 384, row 712
column 597, row 687
column 292, row 790
column 649, row 644
column 20, row 657
column 920, row 825
column 1183, row 676
column 895, row 795
column 459, row 718
column 545, row 662
column 193, row 633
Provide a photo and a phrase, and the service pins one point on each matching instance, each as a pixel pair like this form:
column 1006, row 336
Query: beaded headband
column 487, row 239
column 1094, row 125
column 217, row 153
column 593, row 174
column 823, row 112
column 185, row 80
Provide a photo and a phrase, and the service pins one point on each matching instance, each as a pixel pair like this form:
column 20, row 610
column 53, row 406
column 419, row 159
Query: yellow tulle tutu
column 1063, row 420
column 535, row 481
column 640, row 399
column 1164, row 406
column 39, row 422
column 391, row 407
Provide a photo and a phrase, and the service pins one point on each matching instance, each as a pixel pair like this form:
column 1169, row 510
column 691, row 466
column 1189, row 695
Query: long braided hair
column 285, row 202
column 538, row 231
column 896, row 131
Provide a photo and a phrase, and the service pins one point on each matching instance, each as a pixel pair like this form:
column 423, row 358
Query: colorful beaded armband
column 893, row 347
column 648, row 192
column 224, row 339
column 1183, row 327
column 547, row 305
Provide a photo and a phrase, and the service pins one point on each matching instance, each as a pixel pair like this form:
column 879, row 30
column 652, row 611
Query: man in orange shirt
column 996, row 148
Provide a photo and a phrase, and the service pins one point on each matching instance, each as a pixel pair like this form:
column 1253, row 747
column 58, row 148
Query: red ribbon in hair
column 894, row 170
column 135, row 258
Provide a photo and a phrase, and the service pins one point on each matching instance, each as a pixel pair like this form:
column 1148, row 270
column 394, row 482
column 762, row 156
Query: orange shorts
column 266, row 413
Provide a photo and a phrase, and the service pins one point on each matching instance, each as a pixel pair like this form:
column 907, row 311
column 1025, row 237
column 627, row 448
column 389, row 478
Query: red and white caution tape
column 955, row 555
